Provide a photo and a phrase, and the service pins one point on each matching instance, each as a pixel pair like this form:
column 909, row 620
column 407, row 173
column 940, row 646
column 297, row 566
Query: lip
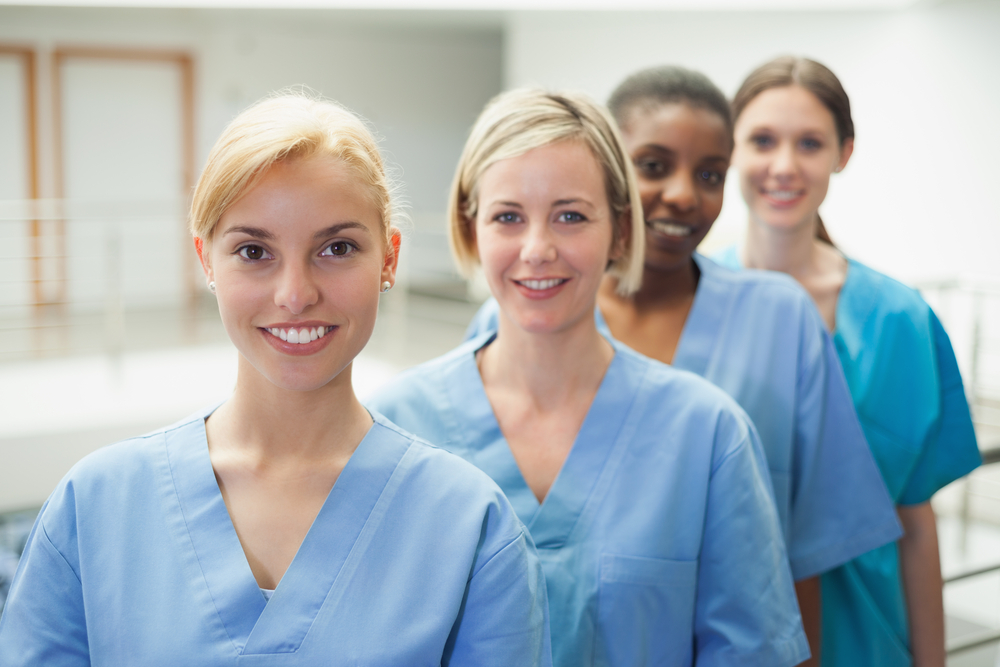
column 783, row 202
column 296, row 349
column 661, row 238
column 540, row 294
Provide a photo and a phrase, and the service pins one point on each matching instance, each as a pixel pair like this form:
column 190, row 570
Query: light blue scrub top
column 758, row 336
column 908, row 392
column 659, row 537
column 416, row 558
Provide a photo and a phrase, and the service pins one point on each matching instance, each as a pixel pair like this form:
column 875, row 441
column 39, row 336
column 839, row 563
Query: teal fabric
column 904, row 379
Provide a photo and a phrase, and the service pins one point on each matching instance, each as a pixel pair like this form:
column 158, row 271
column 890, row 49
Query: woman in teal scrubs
column 643, row 486
column 288, row 525
column 793, row 129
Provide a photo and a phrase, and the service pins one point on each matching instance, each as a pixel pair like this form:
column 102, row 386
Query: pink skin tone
column 544, row 237
column 303, row 248
column 543, row 221
column 786, row 149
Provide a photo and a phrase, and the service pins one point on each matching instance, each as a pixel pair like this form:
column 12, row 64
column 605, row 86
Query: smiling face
column 681, row 154
column 297, row 263
column 786, row 148
column 543, row 232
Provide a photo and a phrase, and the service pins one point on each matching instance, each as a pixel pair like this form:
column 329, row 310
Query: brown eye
column 339, row 249
column 252, row 252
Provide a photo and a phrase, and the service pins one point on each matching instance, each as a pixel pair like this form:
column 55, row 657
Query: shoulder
column 685, row 402
column 772, row 286
column 442, row 479
column 873, row 305
column 415, row 382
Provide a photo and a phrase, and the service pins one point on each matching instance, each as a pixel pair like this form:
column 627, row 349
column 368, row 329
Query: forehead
column 790, row 108
column 559, row 170
column 678, row 126
column 304, row 193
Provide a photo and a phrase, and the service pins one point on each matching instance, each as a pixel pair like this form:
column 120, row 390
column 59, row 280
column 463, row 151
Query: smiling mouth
column 783, row 195
column 299, row 336
column 670, row 228
column 539, row 285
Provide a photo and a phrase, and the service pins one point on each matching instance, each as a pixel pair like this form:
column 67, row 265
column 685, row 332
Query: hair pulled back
column 667, row 84
column 814, row 77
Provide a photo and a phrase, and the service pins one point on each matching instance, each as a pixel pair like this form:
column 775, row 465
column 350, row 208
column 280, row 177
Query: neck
column 661, row 288
column 266, row 422
column 791, row 251
column 550, row 369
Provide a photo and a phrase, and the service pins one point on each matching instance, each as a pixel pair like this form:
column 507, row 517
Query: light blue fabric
column 908, row 392
column 757, row 336
column 415, row 558
column 659, row 537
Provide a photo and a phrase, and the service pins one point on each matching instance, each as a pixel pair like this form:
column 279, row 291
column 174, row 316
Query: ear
column 203, row 256
column 846, row 151
column 391, row 261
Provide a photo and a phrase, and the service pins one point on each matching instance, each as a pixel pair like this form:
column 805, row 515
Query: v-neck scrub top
column 659, row 538
column 757, row 336
column 416, row 558
column 908, row 392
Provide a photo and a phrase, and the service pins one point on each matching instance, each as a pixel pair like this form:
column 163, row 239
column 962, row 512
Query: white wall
column 920, row 199
column 420, row 82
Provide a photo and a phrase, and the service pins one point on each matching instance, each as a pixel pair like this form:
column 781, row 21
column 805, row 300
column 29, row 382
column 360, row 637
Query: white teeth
column 670, row 229
column 299, row 336
column 782, row 195
column 541, row 284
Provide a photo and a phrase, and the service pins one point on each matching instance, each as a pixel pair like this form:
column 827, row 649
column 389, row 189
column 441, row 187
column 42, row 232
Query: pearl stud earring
column 386, row 286
column 211, row 286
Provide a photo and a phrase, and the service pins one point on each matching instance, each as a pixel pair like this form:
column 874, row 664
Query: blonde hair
column 518, row 121
column 285, row 127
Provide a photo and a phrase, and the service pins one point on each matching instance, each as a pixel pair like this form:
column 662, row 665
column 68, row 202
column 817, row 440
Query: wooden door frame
column 185, row 62
column 29, row 68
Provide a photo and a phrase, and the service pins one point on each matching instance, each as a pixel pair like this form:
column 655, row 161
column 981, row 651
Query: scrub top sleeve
column 950, row 450
column 505, row 616
column 746, row 612
column 832, row 522
column 43, row 622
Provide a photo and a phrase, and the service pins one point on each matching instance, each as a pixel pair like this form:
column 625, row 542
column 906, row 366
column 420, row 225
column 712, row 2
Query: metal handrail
column 972, row 641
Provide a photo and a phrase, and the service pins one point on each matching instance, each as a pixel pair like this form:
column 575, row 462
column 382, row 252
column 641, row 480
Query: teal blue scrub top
column 757, row 336
column 908, row 392
column 415, row 558
column 659, row 537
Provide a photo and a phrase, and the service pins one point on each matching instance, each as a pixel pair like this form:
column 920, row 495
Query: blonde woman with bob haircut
column 289, row 525
column 643, row 487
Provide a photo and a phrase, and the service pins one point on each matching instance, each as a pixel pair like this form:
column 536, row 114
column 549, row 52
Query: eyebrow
column 575, row 200
column 265, row 235
column 339, row 227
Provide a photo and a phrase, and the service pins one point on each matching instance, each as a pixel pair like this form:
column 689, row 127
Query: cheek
column 649, row 194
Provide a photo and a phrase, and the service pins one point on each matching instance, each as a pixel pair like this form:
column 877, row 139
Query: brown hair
column 814, row 77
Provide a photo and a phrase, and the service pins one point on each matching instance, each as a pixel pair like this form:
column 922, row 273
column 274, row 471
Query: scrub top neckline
column 704, row 321
column 552, row 521
column 280, row 624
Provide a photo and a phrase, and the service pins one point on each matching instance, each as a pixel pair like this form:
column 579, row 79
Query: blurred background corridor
column 107, row 114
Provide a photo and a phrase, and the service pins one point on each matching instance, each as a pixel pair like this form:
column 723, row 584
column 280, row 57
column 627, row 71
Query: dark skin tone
column 681, row 154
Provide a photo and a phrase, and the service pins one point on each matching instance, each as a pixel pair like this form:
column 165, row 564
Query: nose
column 679, row 192
column 784, row 162
column 296, row 289
column 539, row 246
